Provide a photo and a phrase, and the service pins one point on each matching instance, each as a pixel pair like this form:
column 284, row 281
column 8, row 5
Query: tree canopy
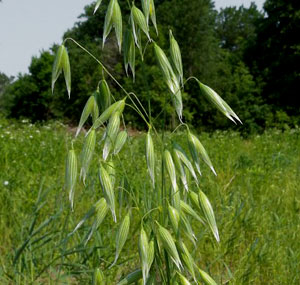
column 251, row 59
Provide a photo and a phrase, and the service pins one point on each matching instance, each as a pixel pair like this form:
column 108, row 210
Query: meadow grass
column 255, row 196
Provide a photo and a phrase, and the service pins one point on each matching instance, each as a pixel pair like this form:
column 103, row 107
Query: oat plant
column 160, row 223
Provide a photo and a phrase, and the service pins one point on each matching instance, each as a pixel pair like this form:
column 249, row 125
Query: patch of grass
column 255, row 196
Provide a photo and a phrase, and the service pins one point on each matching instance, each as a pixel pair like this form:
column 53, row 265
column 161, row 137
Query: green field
column 256, row 198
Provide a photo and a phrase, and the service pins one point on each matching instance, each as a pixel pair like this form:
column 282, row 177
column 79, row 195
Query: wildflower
column 6, row 183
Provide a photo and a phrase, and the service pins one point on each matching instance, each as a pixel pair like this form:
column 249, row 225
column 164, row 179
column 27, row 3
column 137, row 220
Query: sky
column 29, row 26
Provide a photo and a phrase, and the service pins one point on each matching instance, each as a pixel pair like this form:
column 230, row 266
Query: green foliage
column 249, row 58
column 255, row 198
column 275, row 58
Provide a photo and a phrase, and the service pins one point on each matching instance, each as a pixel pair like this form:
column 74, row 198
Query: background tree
column 275, row 58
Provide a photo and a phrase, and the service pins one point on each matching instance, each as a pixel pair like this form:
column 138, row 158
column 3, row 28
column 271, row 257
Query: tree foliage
column 251, row 58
